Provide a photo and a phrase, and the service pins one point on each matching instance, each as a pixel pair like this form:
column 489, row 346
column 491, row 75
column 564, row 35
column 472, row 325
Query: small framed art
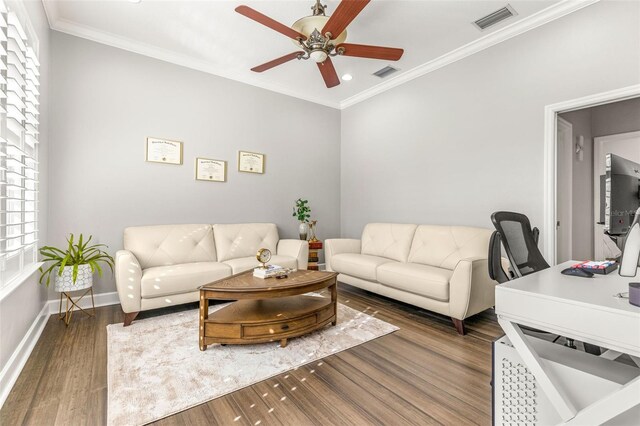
column 211, row 170
column 164, row 151
column 250, row 162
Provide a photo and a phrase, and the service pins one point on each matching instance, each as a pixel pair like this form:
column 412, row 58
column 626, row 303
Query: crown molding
column 542, row 17
column 113, row 40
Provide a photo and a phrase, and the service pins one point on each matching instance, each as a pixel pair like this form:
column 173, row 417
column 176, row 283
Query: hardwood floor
column 425, row 373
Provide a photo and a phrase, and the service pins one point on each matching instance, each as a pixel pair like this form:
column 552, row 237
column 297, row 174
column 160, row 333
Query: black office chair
column 520, row 242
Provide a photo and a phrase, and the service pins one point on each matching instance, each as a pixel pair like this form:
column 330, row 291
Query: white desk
column 584, row 309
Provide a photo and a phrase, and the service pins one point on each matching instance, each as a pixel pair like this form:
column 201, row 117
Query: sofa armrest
column 338, row 246
column 471, row 290
column 128, row 280
column 299, row 249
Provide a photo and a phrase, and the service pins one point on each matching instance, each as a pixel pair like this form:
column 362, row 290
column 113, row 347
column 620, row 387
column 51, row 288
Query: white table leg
column 610, row 406
column 549, row 384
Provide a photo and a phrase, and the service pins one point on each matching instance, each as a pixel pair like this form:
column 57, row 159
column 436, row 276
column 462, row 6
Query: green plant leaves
column 77, row 253
column 302, row 210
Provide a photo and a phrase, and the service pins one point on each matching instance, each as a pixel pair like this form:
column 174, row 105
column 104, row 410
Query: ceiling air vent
column 384, row 72
column 495, row 17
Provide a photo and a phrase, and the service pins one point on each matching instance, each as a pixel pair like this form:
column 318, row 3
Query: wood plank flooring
column 423, row 374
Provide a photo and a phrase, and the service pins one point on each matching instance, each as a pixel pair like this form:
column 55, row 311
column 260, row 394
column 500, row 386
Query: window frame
column 19, row 167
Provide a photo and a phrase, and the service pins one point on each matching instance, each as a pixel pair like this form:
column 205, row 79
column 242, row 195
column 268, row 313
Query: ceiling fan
column 320, row 37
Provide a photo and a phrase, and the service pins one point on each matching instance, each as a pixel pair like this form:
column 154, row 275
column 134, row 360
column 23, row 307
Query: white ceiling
column 212, row 37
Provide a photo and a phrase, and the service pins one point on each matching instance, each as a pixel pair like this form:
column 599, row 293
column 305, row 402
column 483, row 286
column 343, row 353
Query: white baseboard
column 16, row 363
column 14, row 366
column 101, row 299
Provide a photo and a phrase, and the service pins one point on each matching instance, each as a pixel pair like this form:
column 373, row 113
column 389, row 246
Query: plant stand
column 70, row 304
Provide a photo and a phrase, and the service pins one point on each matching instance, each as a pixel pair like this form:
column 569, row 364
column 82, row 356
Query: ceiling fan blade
column 373, row 52
column 329, row 73
column 271, row 23
column 276, row 62
column 346, row 12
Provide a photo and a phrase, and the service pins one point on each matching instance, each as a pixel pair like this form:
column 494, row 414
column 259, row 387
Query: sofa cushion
column 234, row 241
column 245, row 263
column 445, row 246
column 165, row 280
column 390, row 240
column 358, row 265
column 162, row 245
column 423, row 280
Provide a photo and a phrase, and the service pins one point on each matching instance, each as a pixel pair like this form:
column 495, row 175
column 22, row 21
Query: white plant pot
column 303, row 229
column 65, row 282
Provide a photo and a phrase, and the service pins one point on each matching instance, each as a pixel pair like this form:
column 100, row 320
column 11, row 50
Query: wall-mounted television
column 621, row 194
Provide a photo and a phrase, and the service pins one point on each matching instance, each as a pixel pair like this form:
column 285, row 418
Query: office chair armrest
column 471, row 290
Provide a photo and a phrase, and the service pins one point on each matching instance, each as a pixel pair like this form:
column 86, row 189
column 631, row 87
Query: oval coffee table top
column 300, row 281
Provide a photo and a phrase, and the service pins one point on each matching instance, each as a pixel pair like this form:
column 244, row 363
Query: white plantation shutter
column 19, row 82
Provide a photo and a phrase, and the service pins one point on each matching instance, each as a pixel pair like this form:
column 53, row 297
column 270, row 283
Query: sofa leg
column 129, row 317
column 459, row 324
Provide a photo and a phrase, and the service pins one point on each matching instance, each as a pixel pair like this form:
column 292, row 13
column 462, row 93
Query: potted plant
column 74, row 267
column 302, row 212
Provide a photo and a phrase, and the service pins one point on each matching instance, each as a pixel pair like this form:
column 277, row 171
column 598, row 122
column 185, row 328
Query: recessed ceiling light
column 347, row 77
column 135, row 1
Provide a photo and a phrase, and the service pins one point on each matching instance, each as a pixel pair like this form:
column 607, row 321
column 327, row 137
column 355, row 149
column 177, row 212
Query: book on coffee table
column 268, row 272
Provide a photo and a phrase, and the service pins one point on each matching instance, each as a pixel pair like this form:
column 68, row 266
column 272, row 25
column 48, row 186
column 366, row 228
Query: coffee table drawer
column 326, row 313
column 222, row 331
column 276, row 328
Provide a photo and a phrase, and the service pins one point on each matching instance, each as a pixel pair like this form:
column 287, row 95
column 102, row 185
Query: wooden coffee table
column 267, row 310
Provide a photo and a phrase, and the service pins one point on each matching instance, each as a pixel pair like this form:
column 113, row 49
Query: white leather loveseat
column 440, row 268
column 164, row 265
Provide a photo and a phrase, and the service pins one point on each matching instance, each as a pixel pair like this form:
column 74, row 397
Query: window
column 19, row 81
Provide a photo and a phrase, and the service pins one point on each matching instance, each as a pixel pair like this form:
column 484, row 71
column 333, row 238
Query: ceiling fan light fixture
column 318, row 55
column 309, row 24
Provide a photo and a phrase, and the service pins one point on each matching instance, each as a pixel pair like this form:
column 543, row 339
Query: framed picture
column 250, row 162
column 164, row 151
column 211, row 170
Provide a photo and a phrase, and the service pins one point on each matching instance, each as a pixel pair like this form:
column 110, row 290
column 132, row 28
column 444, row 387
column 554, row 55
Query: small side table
column 314, row 255
column 71, row 304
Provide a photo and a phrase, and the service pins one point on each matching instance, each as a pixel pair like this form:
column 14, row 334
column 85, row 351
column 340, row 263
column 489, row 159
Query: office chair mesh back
column 520, row 242
column 496, row 272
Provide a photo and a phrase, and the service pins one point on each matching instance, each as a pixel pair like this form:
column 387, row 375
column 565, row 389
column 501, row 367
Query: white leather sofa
column 440, row 268
column 164, row 265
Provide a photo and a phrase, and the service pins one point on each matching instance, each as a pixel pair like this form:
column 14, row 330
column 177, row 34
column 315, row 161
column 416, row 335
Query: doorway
column 611, row 128
column 549, row 232
column 625, row 145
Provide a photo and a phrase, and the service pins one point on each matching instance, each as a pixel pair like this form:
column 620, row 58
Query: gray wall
column 109, row 100
column 20, row 308
column 582, row 187
column 618, row 117
column 457, row 144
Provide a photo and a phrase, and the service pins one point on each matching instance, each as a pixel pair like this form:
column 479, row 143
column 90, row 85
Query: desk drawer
column 280, row 327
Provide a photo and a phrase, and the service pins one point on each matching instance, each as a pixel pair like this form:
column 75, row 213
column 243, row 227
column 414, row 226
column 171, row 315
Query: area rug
column 156, row 369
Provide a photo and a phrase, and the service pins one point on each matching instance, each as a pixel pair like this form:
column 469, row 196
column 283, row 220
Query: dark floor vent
column 495, row 17
column 384, row 72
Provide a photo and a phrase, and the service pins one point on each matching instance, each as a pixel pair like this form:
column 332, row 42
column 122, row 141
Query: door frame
column 550, row 161
column 569, row 223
